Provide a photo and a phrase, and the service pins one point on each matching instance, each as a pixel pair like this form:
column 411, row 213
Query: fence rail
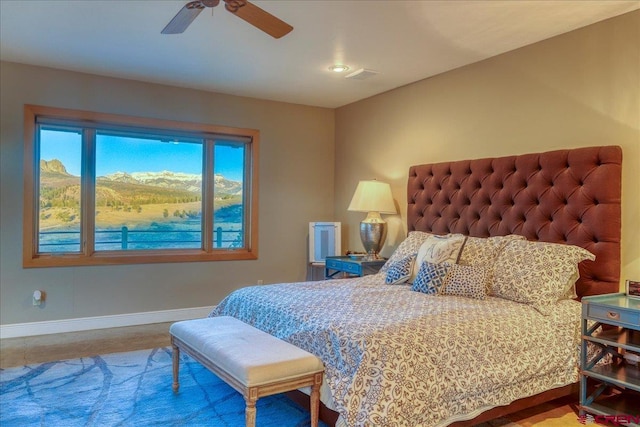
column 52, row 240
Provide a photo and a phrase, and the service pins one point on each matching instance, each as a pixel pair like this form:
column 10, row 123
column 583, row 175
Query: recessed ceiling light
column 338, row 68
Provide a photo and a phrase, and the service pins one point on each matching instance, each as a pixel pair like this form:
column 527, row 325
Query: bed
column 402, row 355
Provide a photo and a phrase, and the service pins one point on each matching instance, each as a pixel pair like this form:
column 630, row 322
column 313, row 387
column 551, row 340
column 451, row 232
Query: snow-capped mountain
column 174, row 180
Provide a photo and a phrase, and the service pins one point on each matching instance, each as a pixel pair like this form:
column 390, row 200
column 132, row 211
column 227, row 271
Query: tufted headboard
column 564, row 196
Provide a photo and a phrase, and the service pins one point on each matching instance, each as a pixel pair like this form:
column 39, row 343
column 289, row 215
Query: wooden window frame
column 88, row 255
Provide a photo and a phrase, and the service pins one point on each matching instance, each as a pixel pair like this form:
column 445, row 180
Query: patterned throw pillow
column 484, row 252
column 438, row 249
column 570, row 292
column 430, row 277
column 409, row 246
column 465, row 281
column 536, row 273
column 400, row 271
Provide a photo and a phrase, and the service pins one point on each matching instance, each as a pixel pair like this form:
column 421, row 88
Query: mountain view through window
column 148, row 193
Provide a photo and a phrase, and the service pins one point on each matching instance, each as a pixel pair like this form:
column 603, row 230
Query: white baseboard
column 16, row 330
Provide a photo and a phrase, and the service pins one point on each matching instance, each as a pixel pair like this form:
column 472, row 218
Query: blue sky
column 122, row 154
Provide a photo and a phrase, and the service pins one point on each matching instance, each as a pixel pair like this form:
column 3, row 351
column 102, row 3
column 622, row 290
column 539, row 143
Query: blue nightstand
column 351, row 266
column 612, row 323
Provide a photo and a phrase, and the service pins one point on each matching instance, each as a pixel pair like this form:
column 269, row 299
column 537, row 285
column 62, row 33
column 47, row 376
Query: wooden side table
column 351, row 266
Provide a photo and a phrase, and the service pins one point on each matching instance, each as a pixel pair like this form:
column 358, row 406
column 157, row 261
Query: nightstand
column 619, row 335
column 351, row 266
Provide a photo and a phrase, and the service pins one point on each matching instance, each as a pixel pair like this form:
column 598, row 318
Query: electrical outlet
column 38, row 297
column 260, row 282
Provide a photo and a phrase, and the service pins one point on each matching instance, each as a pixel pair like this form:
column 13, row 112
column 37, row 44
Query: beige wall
column 293, row 192
column 578, row 89
column 574, row 90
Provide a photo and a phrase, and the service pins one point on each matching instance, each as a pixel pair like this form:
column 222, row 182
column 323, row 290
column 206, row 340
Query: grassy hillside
column 119, row 203
column 110, row 193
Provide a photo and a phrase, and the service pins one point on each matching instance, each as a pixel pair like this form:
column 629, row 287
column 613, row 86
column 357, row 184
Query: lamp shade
column 373, row 196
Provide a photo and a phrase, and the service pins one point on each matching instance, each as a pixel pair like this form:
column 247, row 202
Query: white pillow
column 438, row 249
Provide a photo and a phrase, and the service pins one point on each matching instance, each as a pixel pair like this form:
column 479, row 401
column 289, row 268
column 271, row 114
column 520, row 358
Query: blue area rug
column 131, row 389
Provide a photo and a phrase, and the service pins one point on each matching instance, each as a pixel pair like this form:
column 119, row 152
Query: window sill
column 137, row 257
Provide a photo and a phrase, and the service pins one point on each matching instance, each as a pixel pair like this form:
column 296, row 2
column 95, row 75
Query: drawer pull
column 613, row 315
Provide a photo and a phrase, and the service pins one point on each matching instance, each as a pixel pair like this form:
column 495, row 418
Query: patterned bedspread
column 394, row 357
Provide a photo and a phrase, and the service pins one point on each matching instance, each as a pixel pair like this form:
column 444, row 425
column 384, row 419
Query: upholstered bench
column 251, row 361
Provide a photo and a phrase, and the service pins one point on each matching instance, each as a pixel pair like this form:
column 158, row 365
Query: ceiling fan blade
column 259, row 18
column 183, row 18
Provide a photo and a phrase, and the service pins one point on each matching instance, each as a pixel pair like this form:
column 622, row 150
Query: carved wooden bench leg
column 250, row 398
column 315, row 399
column 176, row 367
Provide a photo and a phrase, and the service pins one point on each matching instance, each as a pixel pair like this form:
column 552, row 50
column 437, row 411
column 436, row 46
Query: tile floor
column 46, row 348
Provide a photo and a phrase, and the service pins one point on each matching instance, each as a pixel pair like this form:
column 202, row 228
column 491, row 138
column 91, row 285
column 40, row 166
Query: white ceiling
column 405, row 41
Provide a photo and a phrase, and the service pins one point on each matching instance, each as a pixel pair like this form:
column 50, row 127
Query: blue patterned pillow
column 430, row 277
column 409, row 246
column 465, row 281
column 400, row 270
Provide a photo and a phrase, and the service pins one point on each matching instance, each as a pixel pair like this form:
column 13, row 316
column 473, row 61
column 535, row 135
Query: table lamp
column 373, row 197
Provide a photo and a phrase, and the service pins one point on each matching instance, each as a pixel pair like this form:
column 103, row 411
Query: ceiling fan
column 251, row 13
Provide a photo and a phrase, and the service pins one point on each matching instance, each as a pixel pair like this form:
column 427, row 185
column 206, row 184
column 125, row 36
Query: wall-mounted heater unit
column 324, row 240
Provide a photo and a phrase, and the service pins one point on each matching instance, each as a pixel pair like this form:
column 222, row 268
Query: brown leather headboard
column 564, row 196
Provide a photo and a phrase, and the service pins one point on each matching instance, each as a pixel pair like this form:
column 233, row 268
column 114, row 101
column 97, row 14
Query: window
column 107, row 189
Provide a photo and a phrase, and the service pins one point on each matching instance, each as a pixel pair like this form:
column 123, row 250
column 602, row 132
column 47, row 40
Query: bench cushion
column 250, row 355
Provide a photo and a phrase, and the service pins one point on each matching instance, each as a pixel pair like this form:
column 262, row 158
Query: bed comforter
column 395, row 357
